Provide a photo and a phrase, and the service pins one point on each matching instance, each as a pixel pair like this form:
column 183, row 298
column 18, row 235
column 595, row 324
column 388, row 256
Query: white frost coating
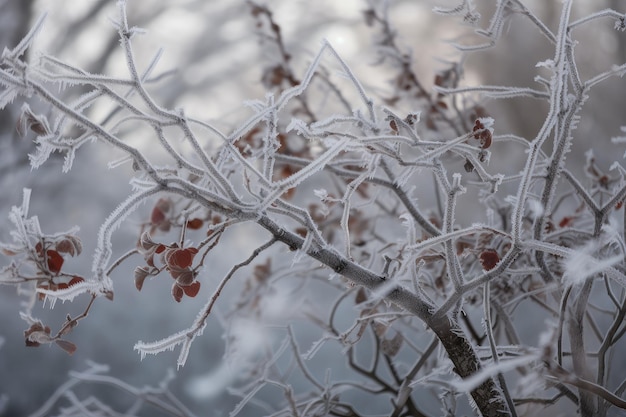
column 299, row 126
column 383, row 290
column 27, row 40
column 616, row 166
column 611, row 230
column 443, row 148
column 548, row 337
column 68, row 160
column 118, row 162
column 404, row 177
column 103, row 250
column 315, row 347
column 535, row 207
column 301, row 252
column 26, row 202
column 185, row 337
column 23, row 226
column 315, row 166
column 139, row 184
column 153, row 348
column 471, row 383
column 318, row 164
column 69, row 293
column 487, row 122
column 620, row 139
column 432, row 241
column 292, row 92
column 7, row 97
column 409, row 223
column 249, row 396
column 368, row 139
column 43, row 152
column 581, row 265
column 321, row 193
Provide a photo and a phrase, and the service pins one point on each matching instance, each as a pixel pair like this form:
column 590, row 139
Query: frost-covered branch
column 372, row 196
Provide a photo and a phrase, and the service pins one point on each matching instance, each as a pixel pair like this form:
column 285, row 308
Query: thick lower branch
column 487, row 396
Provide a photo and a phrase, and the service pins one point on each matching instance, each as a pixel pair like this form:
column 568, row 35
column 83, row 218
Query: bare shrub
column 331, row 174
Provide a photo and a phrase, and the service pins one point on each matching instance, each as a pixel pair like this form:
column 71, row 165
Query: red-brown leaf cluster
column 37, row 334
column 195, row 224
column 176, row 260
column 489, row 258
column 159, row 218
column 482, row 134
column 48, row 259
